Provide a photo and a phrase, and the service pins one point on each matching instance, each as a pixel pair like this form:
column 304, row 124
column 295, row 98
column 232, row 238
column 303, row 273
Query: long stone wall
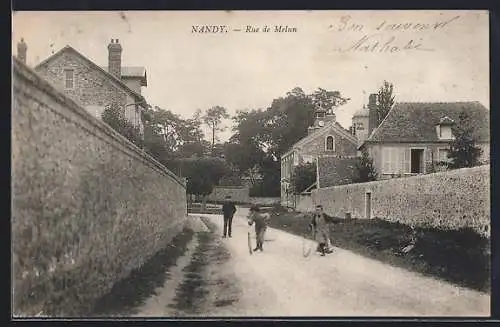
column 451, row 200
column 87, row 205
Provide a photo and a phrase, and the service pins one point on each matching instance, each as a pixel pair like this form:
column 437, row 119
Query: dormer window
column 320, row 114
column 443, row 128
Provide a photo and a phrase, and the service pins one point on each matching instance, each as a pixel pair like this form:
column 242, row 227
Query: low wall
column 264, row 201
column 304, row 203
column 452, row 199
column 238, row 194
column 87, row 205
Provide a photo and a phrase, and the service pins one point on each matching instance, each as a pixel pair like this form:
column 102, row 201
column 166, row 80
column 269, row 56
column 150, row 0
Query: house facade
column 326, row 138
column 97, row 87
column 415, row 137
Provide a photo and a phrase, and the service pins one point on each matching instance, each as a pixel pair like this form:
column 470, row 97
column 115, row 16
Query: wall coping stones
column 96, row 126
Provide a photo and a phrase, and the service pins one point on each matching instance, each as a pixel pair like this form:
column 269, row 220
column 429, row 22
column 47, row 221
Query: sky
column 429, row 56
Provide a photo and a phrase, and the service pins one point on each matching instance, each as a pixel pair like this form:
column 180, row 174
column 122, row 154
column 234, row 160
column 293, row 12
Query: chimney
column 22, row 49
column 115, row 58
column 372, row 113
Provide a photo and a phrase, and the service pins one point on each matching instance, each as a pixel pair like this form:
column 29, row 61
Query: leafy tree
column 463, row 150
column 365, row 170
column 203, row 174
column 213, row 119
column 385, row 101
column 327, row 100
column 113, row 116
column 303, row 176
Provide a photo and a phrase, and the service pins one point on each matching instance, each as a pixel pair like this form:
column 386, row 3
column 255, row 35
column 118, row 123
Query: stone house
column 96, row 87
column 413, row 137
column 326, row 138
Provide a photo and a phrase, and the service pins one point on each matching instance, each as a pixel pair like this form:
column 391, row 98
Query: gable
column 332, row 129
column 68, row 53
column 416, row 122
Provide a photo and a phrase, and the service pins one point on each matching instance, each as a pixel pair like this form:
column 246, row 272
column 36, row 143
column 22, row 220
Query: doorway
column 417, row 161
column 368, row 205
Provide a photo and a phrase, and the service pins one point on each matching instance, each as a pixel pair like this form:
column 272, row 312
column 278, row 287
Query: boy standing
column 260, row 225
column 228, row 210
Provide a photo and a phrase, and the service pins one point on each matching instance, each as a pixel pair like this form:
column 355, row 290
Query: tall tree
column 365, row 170
column 385, row 101
column 213, row 119
column 463, row 150
column 277, row 128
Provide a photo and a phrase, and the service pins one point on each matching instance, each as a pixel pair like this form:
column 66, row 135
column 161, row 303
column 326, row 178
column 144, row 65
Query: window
column 330, row 143
column 360, row 126
column 69, row 78
column 444, row 132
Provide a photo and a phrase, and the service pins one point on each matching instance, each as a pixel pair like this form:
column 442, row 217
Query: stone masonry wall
column 240, row 194
column 87, row 205
column 450, row 200
column 343, row 146
column 91, row 86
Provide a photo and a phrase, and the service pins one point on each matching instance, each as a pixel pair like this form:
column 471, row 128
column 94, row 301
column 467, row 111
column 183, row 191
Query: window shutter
column 406, row 160
column 386, row 159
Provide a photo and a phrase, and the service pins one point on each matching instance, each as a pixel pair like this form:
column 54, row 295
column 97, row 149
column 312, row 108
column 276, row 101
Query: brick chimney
column 115, row 58
column 372, row 113
column 22, row 50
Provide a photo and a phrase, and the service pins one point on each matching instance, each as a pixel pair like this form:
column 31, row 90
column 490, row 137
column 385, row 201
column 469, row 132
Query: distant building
column 414, row 136
column 93, row 86
column 326, row 138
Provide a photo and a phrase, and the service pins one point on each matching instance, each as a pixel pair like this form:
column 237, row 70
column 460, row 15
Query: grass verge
column 194, row 295
column 461, row 257
column 131, row 292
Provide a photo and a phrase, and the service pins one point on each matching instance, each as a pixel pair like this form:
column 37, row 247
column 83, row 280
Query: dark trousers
column 228, row 222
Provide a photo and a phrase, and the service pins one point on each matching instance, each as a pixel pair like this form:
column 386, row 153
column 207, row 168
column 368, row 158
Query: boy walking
column 228, row 210
column 319, row 224
column 260, row 225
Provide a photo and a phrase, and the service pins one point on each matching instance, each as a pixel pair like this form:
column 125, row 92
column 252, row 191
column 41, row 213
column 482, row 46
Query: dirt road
column 225, row 280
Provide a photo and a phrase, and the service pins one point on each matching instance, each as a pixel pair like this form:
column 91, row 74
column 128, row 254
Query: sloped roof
column 95, row 66
column 320, row 131
column 416, row 121
column 132, row 72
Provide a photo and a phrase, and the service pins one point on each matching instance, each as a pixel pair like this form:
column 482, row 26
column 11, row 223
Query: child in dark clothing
column 260, row 225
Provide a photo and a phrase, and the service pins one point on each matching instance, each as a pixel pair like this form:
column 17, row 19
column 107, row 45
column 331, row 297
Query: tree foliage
column 463, row 150
column 364, row 170
column 113, row 115
column 303, row 176
column 203, row 173
column 269, row 133
column 385, row 101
